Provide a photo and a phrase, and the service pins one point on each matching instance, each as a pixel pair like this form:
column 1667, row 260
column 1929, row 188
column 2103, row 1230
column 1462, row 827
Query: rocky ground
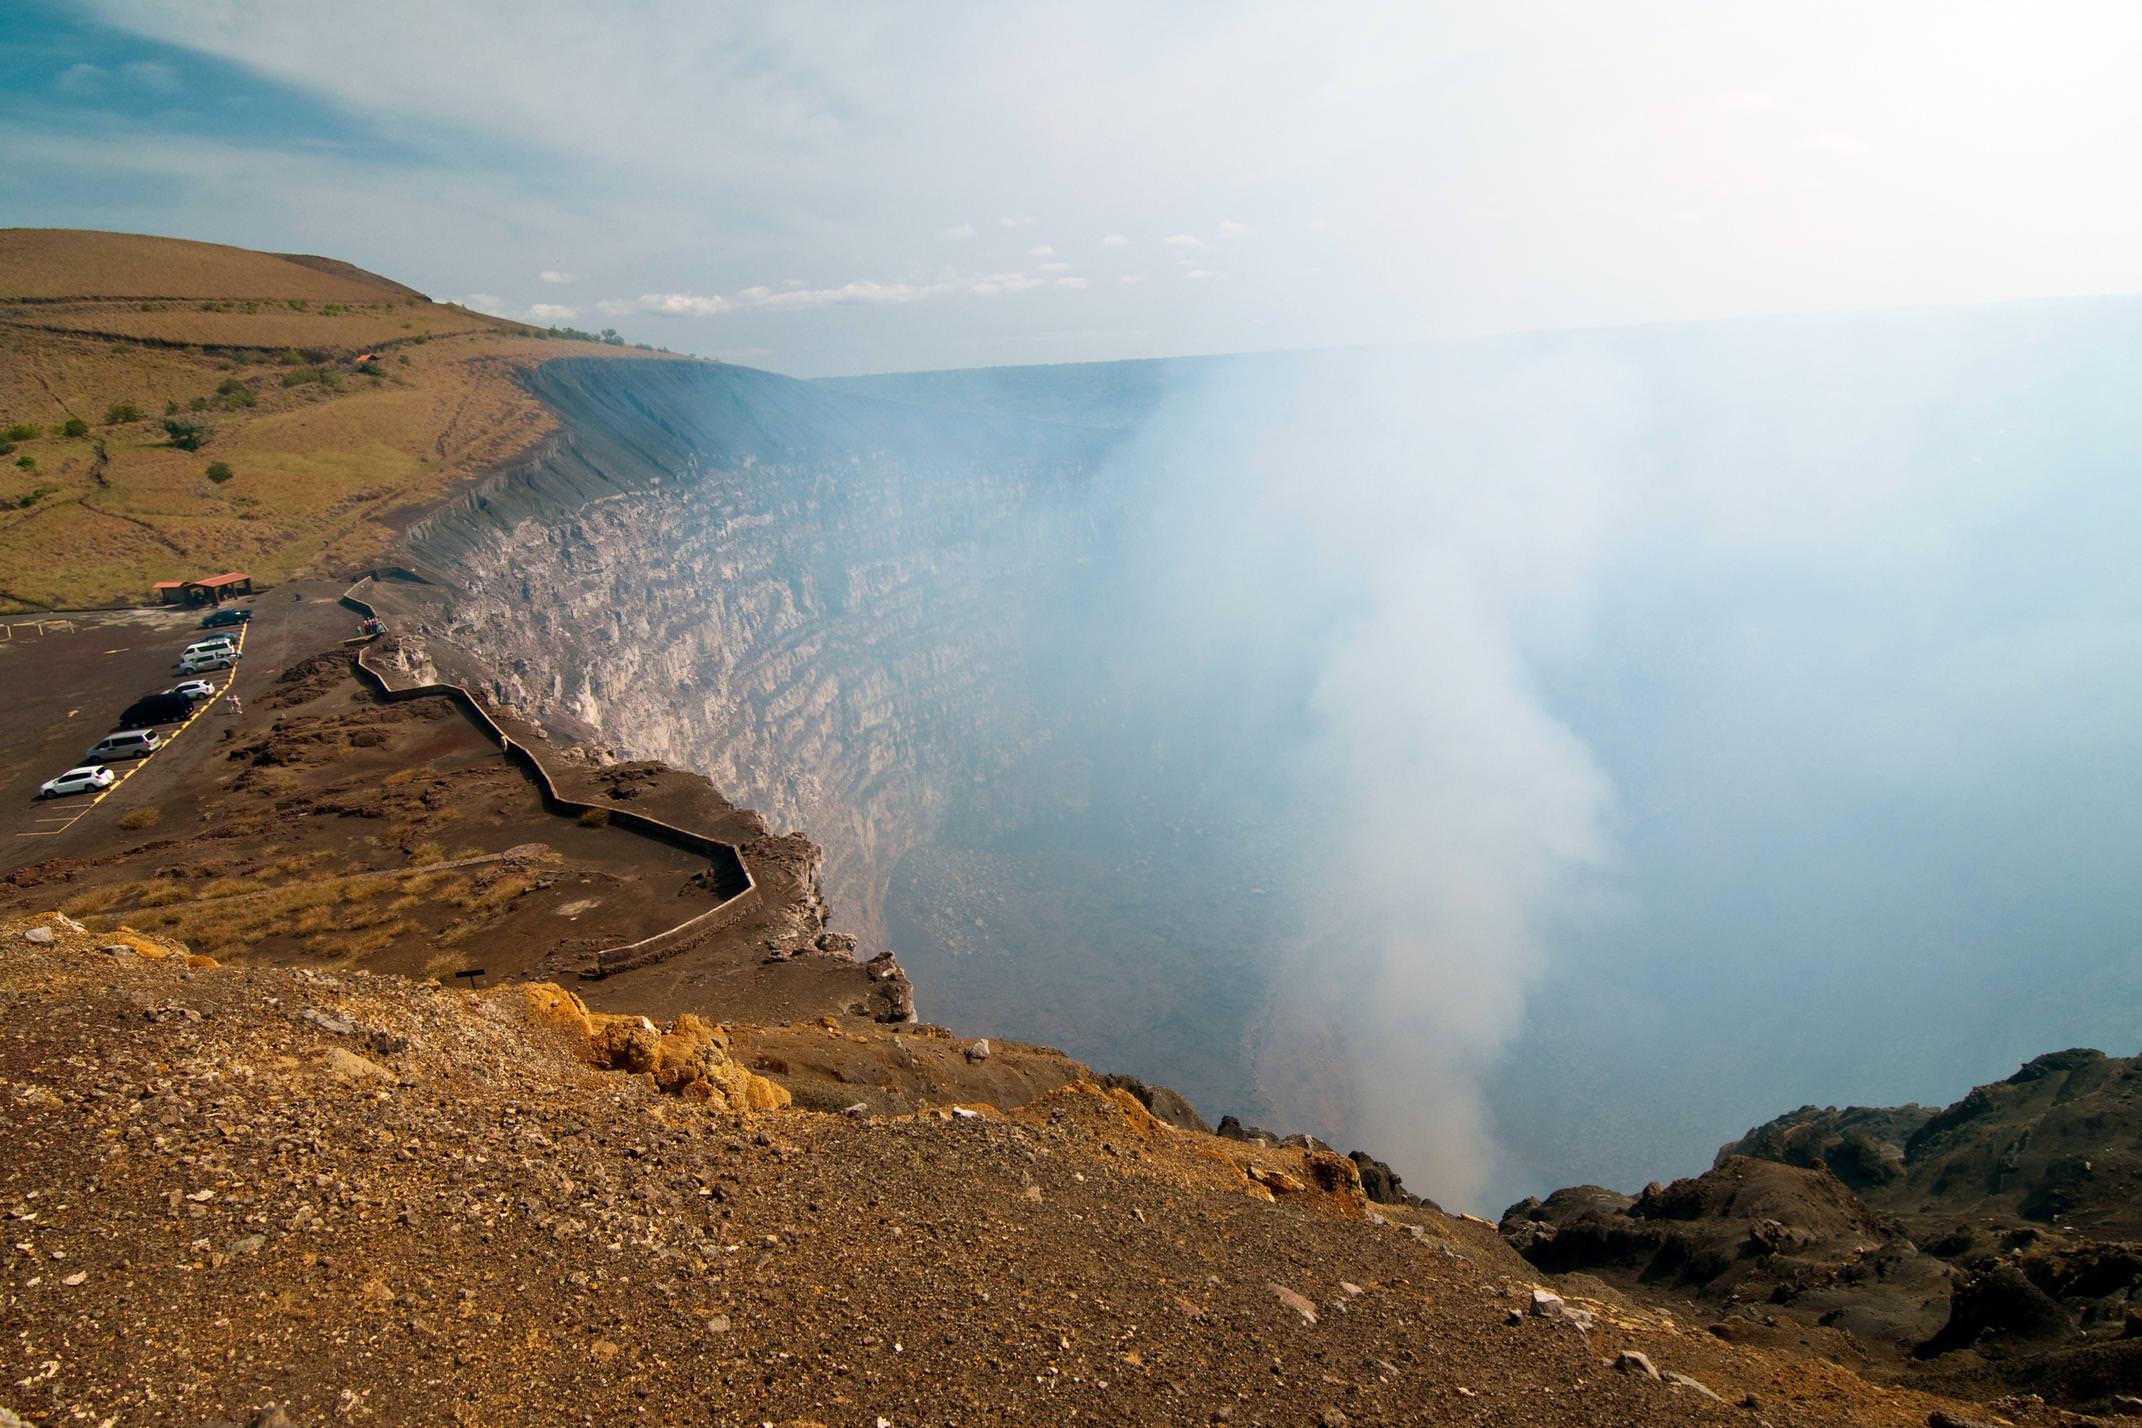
column 1984, row 1249
column 234, row 1193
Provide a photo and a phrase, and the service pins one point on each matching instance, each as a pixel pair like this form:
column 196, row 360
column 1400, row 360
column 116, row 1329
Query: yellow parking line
column 229, row 679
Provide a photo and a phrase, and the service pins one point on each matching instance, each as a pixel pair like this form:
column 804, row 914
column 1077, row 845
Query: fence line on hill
column 608, row 961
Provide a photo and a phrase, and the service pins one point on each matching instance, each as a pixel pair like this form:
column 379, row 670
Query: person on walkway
column 237, row 704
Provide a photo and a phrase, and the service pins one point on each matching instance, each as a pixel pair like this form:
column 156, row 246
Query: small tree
column 119, row 412
column 220, row 472
column 75, row 427
column 187, row 434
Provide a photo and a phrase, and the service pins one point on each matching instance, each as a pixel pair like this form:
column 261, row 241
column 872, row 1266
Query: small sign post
column 471, row 973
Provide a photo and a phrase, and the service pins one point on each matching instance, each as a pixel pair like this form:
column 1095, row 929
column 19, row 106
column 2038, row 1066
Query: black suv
column 226, row 617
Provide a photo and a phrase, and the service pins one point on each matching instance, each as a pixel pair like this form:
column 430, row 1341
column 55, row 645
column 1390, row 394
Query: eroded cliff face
column 814, row 598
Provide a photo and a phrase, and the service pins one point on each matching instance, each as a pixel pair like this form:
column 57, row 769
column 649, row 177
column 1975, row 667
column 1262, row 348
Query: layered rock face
column 814, row 598
column 1991, row 1244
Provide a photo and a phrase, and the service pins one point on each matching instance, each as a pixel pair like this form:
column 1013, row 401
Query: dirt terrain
column 325, row 825
column 285, row 1195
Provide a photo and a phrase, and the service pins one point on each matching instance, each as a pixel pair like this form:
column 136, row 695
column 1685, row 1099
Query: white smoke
column 1382, row 548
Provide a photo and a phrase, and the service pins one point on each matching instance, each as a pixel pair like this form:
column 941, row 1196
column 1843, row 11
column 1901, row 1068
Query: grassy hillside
column 309, row 456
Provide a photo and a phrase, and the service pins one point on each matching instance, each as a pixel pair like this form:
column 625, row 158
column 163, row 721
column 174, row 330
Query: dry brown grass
column 66, row 262
column 322, row 474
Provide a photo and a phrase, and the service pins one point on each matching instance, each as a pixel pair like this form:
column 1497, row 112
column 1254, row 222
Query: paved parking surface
column 69, row 677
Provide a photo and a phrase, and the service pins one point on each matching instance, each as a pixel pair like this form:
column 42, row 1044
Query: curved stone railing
column 626, row 956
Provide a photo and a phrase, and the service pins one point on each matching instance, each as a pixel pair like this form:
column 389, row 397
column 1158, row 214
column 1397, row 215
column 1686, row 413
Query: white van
column 217, row 645
column 207, row 660
column 126, row 744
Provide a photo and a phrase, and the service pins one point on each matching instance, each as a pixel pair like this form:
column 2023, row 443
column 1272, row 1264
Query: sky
column 823, row 188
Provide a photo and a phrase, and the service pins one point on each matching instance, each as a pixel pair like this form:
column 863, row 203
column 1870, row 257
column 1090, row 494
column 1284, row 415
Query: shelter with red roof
column 209, row 590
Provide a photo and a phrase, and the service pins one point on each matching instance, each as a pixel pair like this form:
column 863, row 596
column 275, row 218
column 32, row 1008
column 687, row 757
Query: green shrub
column 34, row 497
column 119, row 412
column 187, row 434
column 220, row 472
column 22, row 431
column 75, row 427
column 228, row 385
column 7, row 448
column 27, row 463
column 297, row 304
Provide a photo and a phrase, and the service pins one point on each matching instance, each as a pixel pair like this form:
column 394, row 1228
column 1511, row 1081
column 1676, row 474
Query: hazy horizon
column 819, row 189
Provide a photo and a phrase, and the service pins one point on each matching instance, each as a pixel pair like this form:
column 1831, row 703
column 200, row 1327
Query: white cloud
column 480, row 302
column 1229, row 229
column 553, row 312
column 1131, row 278
column 1041, row 250
column 83, row 79
column 152, row 75
column 1073, row 283
column 1115, row 240
column 1841, row 142
column 549, row 275
column 1197, row 275
column 683, row 304
column 957, row 230
column 1183, row 240
column 1016, row 220
column 863, row 292
column 761, row 298
column 1058, row 267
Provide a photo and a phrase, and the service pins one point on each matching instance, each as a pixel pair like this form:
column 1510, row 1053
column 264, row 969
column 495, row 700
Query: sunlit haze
column 822, row 189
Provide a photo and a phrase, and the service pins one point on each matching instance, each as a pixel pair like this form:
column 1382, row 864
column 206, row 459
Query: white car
column 194, row 689
column 203, row 663
column 85, row 779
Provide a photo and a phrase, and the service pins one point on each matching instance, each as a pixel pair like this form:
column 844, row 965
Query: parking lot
column 69, row 677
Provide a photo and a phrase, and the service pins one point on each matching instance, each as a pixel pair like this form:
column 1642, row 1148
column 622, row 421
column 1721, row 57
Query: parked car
column 194, row 689
column 153, row 709
column 81, row 780
column 203, row 663
column 224, row 617
column 217, row 642
column 126, row 744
